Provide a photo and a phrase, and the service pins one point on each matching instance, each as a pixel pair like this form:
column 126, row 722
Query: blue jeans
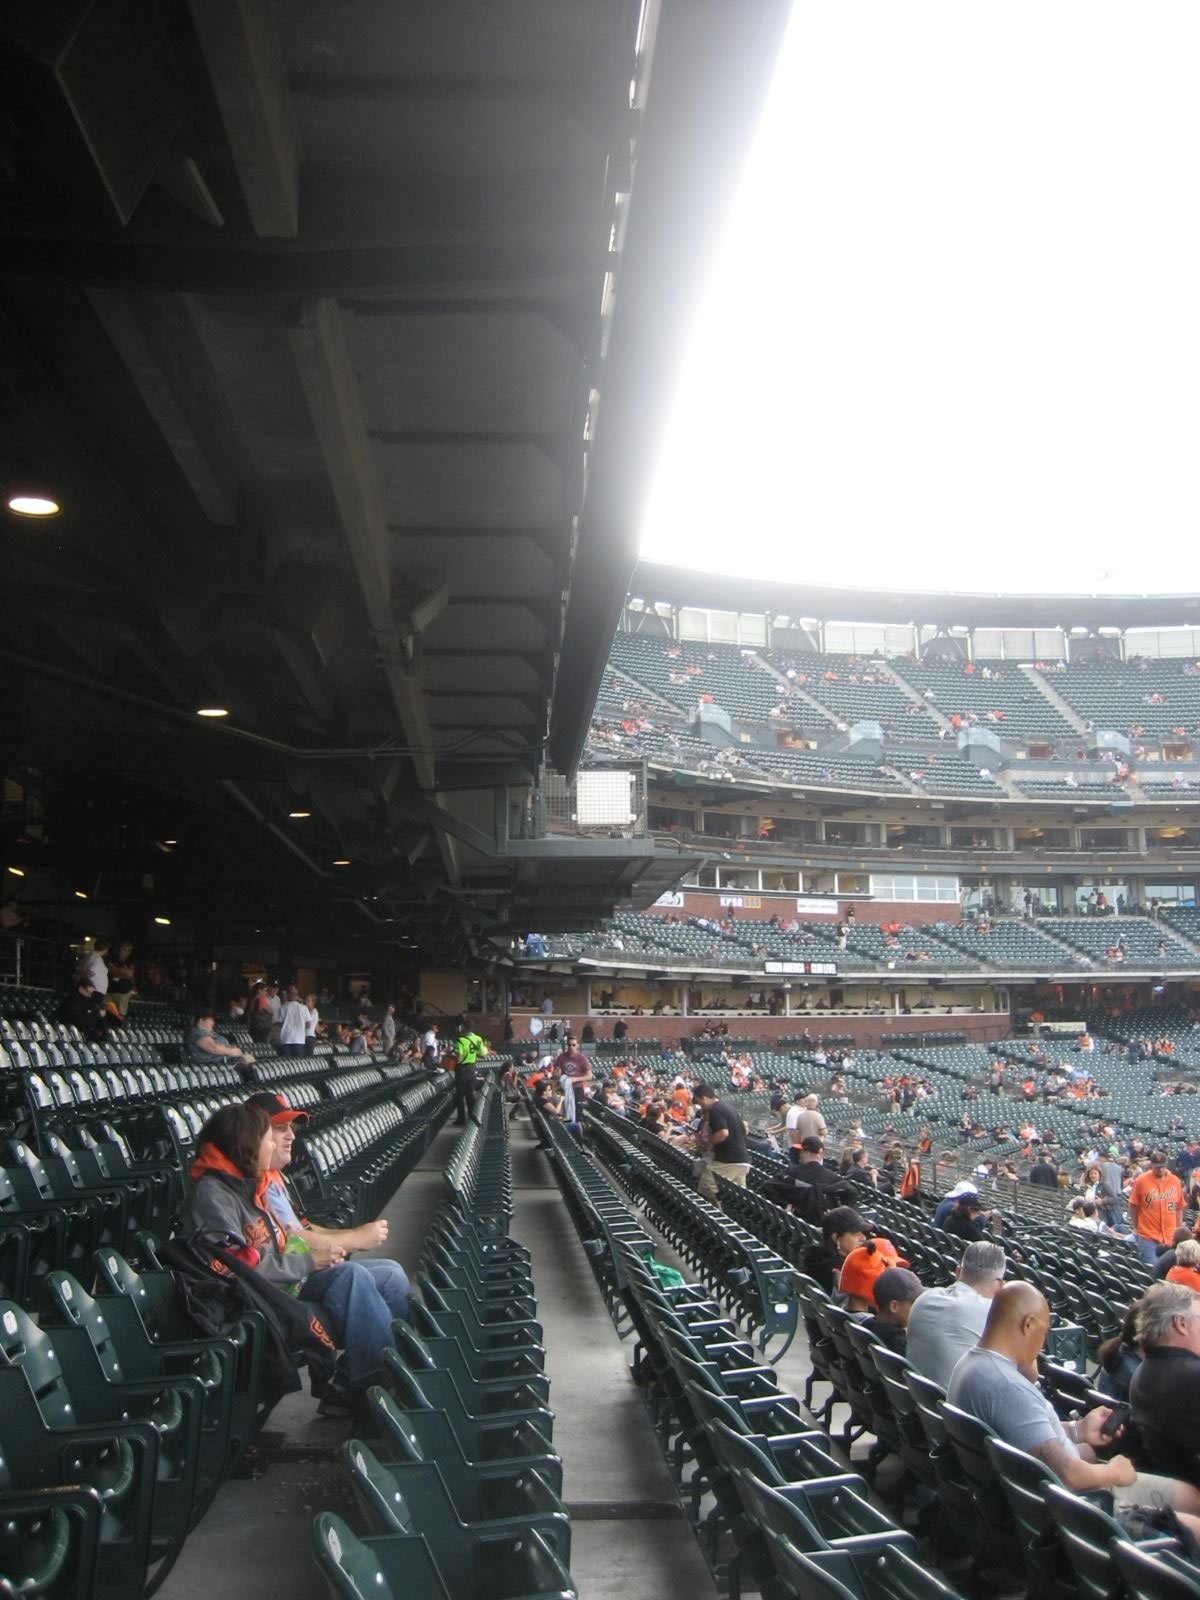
column 392, row 1282
column 1147, row 1249
column 291, row 1049
column 356, row 1313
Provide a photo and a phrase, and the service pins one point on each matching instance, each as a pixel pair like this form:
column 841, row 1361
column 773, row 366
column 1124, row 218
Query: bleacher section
column 1095, row 936
column 1119, row 695
column 1009, row 944
column 811, row 771
column 683, row 673
column 856, row 689
column 1023, row 712
column 1085, row 788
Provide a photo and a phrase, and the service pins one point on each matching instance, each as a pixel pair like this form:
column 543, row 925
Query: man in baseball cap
column 277, row 1108
column 896, row 1291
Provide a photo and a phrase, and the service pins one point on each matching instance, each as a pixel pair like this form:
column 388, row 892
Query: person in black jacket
column 1044, row 1173
column 967, row 1220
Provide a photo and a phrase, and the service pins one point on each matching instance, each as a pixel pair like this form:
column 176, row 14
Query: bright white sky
column 952, row 335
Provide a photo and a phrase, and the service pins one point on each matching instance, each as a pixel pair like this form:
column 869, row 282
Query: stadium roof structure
column 684, row 586
column 342, row 335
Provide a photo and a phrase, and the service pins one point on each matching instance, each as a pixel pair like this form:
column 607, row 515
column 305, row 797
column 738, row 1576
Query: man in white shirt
column 274, row 1003
column 293, row 1024
column 953, row 1321
column 429, row 1045
column 803, row 1121
column 93, row 969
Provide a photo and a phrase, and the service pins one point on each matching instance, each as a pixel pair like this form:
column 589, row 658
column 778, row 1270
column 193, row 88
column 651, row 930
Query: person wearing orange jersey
column 1156, row 1204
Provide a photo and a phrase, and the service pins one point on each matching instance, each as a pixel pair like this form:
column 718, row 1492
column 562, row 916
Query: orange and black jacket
column 226, row 1208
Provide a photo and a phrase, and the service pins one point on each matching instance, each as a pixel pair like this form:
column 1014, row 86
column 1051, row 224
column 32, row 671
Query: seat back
column 77, row 1309
column 393, row 1427
column 378, row 1488
column 776, row 1516
column 349, row 1567
column 1086, row 1535
column 24, row 1345
column 1154, row 1577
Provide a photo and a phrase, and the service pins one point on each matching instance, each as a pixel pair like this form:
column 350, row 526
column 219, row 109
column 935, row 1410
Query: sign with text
column 673, row 898
column 742, row 902
column 801, row 969
column 816, row 908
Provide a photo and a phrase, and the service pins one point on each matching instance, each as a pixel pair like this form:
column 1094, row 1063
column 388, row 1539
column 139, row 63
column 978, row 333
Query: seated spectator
column 1165, row 1389
column 1166, row 1258
column 1187, row 1265
column 84, row 1009
column 950, row 1199
column 860, row 1269
column 995, row 1383
column 967, row 1219
column 228, row 1206
column 842, row 1230
column 1083, row 1215
column 894, row 1293
column 203, row 1048
column 1120, row 1358
column 945, row 1323
column 389, row 1276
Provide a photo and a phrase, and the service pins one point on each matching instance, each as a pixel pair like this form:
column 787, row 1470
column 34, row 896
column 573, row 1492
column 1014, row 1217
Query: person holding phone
column 997, row 1383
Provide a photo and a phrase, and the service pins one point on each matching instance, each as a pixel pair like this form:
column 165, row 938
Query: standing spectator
column 1044, row 1174
column 388, row 1027
column 293, row 1024
column 259, row 1019
column 94, row 968
column 573, row 1064
column 804, row 1121
column 1156, row 1204
column 312, row 1022
column 121, row 974
column 429, row 1046
column 723, row 1133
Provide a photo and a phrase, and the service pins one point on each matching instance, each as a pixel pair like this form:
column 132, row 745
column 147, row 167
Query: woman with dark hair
column 1120, row 1358
column 227, row 1206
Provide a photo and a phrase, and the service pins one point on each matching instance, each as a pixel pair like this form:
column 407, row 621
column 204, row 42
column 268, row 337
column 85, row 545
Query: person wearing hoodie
column 228, row 1206
column 390, row 1277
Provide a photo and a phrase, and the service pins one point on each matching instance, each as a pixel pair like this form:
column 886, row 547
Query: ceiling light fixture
column 299, row 815
column 212, row 711
column 28, row 496
column 163, row 922
column 342, row 861
column 17, row 872
column 80, row 895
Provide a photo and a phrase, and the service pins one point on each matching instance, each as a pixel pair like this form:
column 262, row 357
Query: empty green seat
column 411, row 1496
column 403, row 1567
